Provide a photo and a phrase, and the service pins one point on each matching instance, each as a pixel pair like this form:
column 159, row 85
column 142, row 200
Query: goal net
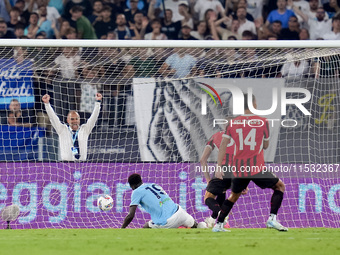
column 162, row 101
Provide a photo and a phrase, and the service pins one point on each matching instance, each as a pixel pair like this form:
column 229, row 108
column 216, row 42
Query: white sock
column 272, row 216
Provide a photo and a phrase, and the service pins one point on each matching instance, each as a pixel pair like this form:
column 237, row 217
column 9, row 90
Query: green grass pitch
column 169, row 241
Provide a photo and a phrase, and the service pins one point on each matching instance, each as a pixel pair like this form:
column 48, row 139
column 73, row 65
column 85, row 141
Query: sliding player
column 251, row 135
column 164, row 212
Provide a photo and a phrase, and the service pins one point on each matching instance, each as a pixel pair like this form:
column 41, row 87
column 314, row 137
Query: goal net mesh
column 153, row 122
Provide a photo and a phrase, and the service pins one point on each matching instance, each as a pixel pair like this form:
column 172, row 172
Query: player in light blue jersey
column 164, row 212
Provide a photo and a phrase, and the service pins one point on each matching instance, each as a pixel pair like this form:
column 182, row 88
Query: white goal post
column 162, row 101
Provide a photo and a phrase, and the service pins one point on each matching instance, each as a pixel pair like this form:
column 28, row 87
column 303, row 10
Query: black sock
column 275, row 202
column 220, row 198
column 225, row 209
column 214, row 206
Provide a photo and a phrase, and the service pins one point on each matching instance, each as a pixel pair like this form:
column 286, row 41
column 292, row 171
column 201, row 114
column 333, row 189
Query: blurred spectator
column 156, row 33
column 335, row 33
column 58, row 5
column 16, row 117
column 271, row 37
column 110, row 35
column 123, row 32
column 14, row 105
column 183, row 10
column 170, row 4
column 185, row 33
column 152, row 11
column 202, row 6
column 205, row 66
column 304, row 34
column 201, row 31
column 141, row 24
column 70, row 34
column 34, row 25
column 89, row 88
column 19, row 31
column 24, row 13
column 274, row 30
column 318, row 26
column 170, row 28
column 276, row 27
column 178, row 65
column 68, row 62
column 254, row 7
column 237, row 4
column 45, row 24
column 292, row 32
column 105, row 24
column 97, row 9
column 41, row 35
column 313, row 6
column 332, row 8
column 130, row 13
column 142, row 4
column 11, row 119
column 301, row 5
column 247, row 35
column 326, row 67
column 212, row 33
column 4, row 33
column 43, row 83
column 5, row 8
column 281, row 13
column 144, row 62
column 226, row 33
column 294, row 68
column 81, row 24
column 14, row 19
column 244, row 23
column 115, row 6
column 52, row 13
column 211, row 16
column 86, row 4
column 64, row 26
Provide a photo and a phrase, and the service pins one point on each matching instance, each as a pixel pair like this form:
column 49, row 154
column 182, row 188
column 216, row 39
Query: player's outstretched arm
column 221, row 153
column 130, row 216
column 204, row 162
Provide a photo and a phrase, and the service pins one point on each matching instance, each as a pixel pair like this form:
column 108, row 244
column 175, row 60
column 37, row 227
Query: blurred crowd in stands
column 171, row 19
column 71, row 79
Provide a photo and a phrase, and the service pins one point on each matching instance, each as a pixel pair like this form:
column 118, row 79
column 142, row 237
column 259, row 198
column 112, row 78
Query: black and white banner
column 170, row 123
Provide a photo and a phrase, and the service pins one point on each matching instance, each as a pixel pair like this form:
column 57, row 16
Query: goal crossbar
column 168, row 43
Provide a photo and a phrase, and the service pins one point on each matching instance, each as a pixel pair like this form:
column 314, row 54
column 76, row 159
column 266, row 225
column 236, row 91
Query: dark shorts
column 217, row 186
column 264, row 180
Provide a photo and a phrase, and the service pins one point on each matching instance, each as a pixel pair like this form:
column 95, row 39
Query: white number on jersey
column 249, row 140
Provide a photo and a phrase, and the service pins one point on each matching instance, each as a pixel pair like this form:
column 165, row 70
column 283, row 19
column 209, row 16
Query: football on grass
column 105, row 203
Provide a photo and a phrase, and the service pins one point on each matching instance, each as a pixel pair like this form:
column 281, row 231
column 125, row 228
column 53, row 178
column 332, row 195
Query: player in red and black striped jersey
column 216, row 190
column 215, row 142
column 250, row 132
column 251, row 136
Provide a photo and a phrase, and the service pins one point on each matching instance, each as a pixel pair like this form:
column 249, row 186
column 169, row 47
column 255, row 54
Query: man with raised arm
column 251, row 135
column 164, row 212
column 73, row 138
